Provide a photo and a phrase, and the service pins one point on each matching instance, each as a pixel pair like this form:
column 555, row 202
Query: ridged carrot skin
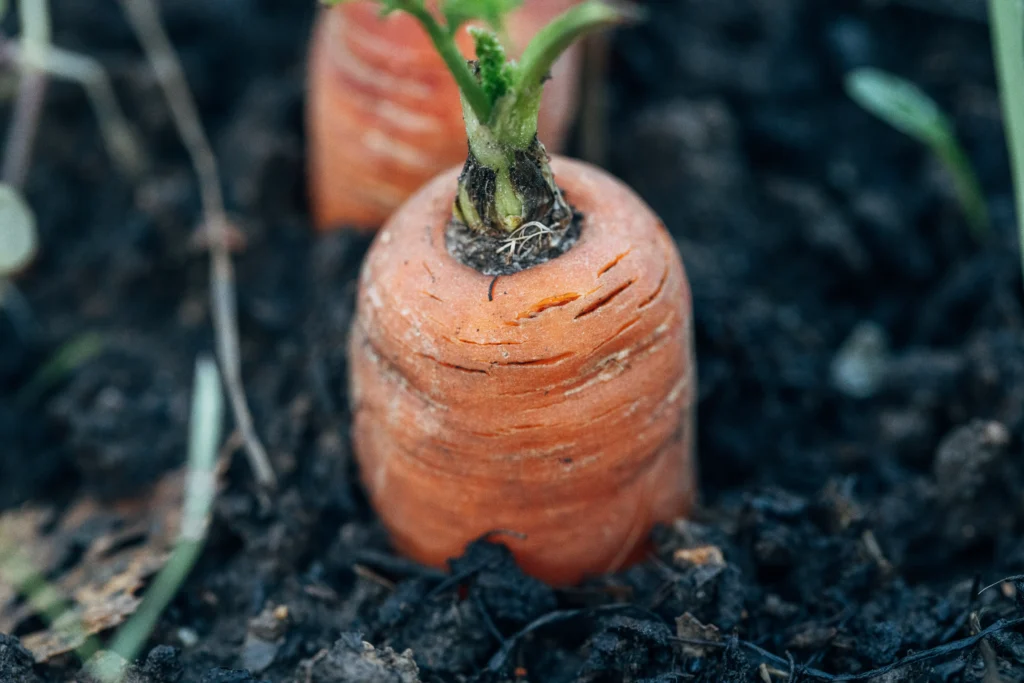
column 383, row 113
column 555, row 402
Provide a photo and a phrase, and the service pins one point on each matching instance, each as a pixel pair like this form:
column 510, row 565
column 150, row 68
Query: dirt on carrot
column 847, row 542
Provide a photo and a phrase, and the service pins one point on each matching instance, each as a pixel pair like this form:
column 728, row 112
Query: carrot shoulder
column 383, row 113
column 522, row 353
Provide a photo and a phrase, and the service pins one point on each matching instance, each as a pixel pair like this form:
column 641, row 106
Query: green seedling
column 206, row 425
column 910, row 110
column 1006, row 19
column 205, row 432
column 70, row 356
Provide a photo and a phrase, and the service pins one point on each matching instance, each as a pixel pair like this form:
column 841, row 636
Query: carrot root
column 556, row 402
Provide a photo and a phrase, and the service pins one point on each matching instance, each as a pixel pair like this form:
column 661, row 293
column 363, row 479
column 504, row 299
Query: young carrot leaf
column 555, row 38
column 496, row 74
column 1007, row 24
column 911, row 111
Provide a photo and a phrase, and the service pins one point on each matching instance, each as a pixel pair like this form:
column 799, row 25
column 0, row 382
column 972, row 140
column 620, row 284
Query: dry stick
column 35, row 30
column 23, row 126
column 121, row 142
column 34, row 16
column 500, row 658
column 142, row 14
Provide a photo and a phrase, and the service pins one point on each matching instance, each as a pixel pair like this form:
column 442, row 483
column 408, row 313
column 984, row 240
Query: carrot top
column 507, row 182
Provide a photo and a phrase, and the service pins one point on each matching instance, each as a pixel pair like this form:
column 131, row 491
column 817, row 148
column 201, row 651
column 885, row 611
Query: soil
column 857, row 494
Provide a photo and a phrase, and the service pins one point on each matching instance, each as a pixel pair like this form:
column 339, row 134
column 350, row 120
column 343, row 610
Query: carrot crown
column 507, row 181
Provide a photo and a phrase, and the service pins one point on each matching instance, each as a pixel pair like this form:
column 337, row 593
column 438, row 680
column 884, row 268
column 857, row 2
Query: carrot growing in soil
column 521, row 357
column 383, row 115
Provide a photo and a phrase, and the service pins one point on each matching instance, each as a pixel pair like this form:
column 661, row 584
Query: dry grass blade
column 143, row 16
column 118, row 136
column 35, row 29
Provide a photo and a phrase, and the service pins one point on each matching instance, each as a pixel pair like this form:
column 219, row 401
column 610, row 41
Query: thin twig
column 1008, row 579
column 146, row 22
column 35, row 30
column 501, row 657
column 917, row 657
column 121, row 142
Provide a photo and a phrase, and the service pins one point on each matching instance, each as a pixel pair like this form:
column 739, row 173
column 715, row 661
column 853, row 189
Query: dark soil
column 529, row 246
column 857, row 520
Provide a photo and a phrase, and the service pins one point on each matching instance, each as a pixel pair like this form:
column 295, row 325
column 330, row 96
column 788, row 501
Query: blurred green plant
column 911, row 111
column 71, row 355
column 205, row 432
column 1006, row 19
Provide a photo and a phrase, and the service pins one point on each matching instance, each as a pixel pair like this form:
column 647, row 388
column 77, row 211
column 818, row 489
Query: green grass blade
column 200, row 489
column 1006, row 19
column 911, row 111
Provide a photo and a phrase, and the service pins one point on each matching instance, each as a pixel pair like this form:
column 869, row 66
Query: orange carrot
column 531, row 371
column 383, row 112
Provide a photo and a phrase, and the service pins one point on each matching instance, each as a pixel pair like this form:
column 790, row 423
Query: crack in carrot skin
column 614, row 262
column 452, row 366
column 495, row 343
column 619, row 332
column 657, row 290
column 549, row 302
column 606, row 299
column 553, row 360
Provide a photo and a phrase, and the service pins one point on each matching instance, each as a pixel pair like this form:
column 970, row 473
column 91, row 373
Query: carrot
column 522, row 354
column 383, row 112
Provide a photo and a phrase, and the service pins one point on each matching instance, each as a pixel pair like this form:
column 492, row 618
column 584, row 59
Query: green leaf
column 18, row 238
column 496, row 74
column 910, row 110
column 492, row 12
column 899, row 103
column 70, row 356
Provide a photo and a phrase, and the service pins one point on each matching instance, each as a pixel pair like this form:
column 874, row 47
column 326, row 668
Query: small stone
column 860, row 364
column 704, row 555
column 353, row 659
column 188, row 637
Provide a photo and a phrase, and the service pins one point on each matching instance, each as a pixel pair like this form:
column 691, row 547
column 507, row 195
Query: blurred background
column 860, row 351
